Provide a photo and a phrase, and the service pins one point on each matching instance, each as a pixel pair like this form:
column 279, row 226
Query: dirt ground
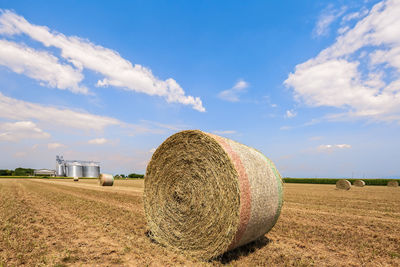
column 66, row 223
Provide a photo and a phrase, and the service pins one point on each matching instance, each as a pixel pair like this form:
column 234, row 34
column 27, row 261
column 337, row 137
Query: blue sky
column 313, row 85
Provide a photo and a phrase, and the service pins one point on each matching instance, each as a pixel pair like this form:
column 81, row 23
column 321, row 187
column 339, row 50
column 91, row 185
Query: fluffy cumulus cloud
column 16, row 131
column 360, row 72
column 83, row 54
column 98, row 141
column 41, row 66
column 232, row 95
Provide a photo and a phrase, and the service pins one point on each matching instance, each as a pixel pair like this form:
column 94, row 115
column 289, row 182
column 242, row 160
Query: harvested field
column 64, row 223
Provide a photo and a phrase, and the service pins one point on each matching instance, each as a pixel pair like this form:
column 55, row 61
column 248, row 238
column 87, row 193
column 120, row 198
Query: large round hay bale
column 343, row 184
column 76, row 179
column 359, row 183
column 393, row 183
column 106, row 179
column 205, row 194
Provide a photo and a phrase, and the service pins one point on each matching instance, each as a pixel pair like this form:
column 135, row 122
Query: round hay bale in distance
column 343, row 184
column 393, row 183
column 205, row 194
column 106, row 179
column 359, row 183
column 76, row 178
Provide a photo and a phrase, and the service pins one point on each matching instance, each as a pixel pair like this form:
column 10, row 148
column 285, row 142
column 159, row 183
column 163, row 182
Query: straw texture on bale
column 343, row 184
column 205, row 194
column 76, row 179
column 393, row 184
column 359, row 183
column 106, row 179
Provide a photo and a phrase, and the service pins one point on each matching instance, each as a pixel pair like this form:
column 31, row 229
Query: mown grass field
column 65, row 223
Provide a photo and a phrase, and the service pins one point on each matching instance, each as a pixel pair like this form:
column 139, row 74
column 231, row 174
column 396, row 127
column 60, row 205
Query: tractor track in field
column 65, row 237
column 94, row 186
column 57, row 227
column 130, row 201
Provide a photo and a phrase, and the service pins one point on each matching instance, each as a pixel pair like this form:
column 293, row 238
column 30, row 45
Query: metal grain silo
column 60, row 166
column 91, row 170
column 60, row 169
column 74, row 169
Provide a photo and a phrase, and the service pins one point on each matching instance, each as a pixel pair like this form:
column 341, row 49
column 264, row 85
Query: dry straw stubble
column 343, row 184
column 206, row 194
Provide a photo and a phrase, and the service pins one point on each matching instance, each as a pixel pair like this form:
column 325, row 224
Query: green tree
column 5, row 172
column 23, row 172
column 135, row 175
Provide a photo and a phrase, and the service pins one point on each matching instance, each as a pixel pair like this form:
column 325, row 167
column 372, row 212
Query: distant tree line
column 29, row 172
column 132, row 175
column 334, row 180
column 17, row 172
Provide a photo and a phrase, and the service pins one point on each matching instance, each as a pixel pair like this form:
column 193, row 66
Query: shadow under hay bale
column 106, row 179
column 205, row 195
column 393, row 184
column 343, row 184
column 359, row 183
column 243, row 251
column 76, row 179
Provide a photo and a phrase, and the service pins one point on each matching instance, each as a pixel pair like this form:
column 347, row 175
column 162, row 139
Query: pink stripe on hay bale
column 245, row 196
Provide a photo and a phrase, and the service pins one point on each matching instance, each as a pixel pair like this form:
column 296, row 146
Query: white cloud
column 116, row 70
column 328, row 16
column 290, row 114
column 343, row 29
column 55, row 146
column 333, row 147
column 11, row 108
column 343, row 146
column 225, row 132
column 355, row 15
column 64, row 118
column 323, row 24
column 98, row 141
column 362, row 86
column 41, row 66
column 15, row 131
column 232, row 95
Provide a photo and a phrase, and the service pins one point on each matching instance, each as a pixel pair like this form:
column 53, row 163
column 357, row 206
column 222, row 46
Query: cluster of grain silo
column 77, row 168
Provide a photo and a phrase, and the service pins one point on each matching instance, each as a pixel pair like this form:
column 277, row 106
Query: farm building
column 44, row 172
